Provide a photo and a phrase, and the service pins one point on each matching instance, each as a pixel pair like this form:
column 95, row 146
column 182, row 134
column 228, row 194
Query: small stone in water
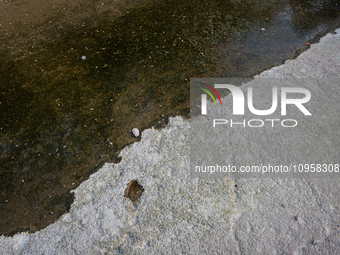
column 135, row 132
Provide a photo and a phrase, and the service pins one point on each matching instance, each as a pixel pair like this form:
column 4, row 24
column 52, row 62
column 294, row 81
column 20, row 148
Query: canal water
column 77, row 76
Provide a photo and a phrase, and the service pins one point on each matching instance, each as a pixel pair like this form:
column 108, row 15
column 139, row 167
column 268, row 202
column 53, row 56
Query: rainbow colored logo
column 209, row 93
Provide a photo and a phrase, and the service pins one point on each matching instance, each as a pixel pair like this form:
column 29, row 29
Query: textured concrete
column 179, row 215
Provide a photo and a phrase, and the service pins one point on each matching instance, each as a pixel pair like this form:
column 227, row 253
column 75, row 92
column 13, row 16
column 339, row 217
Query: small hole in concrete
column 133, row 191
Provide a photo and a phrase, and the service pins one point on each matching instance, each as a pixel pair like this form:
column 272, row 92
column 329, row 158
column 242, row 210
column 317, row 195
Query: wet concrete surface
column 62, row 117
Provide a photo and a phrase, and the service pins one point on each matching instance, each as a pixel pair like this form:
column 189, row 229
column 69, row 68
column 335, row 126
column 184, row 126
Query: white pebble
column 83, row 57
column 135, row 132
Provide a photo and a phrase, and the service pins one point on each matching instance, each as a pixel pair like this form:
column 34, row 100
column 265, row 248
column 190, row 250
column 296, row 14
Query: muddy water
column 77, row 76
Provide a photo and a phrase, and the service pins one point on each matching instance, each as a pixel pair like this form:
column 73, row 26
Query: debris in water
column 135, row 132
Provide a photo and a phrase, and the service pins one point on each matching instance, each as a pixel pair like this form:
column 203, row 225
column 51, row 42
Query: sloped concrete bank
column 178, row 215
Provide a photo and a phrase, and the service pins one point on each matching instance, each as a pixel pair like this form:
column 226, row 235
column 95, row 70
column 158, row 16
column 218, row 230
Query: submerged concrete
column 179, row 215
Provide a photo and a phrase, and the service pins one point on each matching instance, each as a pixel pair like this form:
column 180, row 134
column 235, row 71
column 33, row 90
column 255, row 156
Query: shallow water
column 62, row 117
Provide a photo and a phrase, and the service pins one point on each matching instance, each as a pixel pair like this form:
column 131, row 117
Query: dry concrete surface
column 180, row 215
